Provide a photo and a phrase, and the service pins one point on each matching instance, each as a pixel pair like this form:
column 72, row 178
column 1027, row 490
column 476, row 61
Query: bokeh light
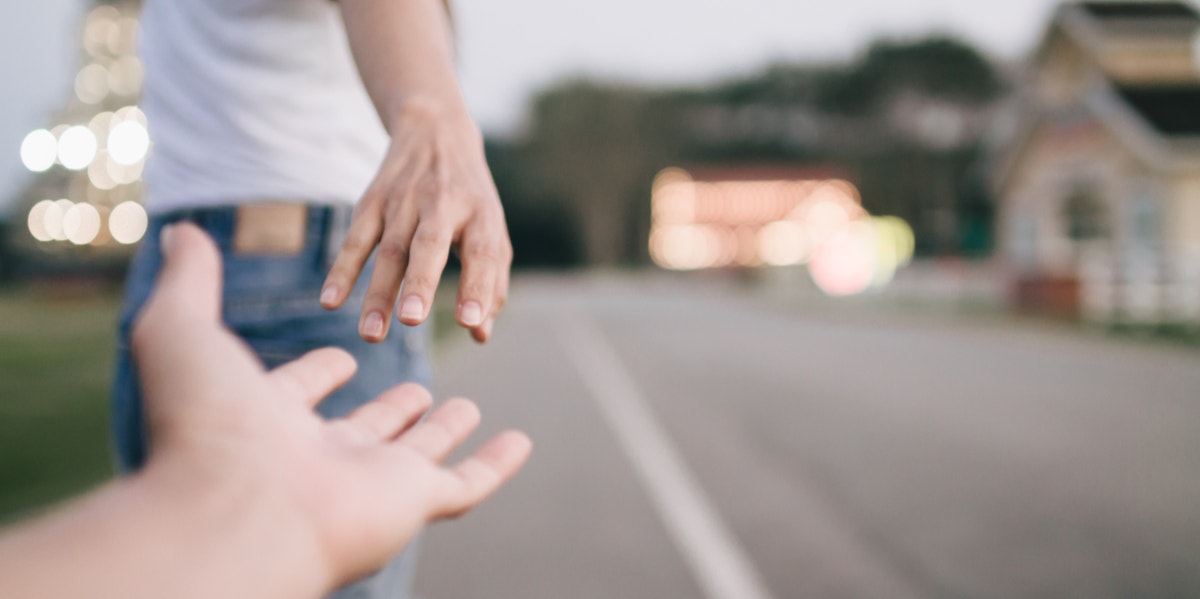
column 130, row 113
column 39, row 150
column 125, row 76
column 100, row 27
column 825, row 218
column 128, row 142
column 686, row 247
column 702, row 221
column 127, row 223
column 52, row 219
column 895, row 244
column 123, row 174
column 92, row 84
column 845, row 265
column 77, row 148
column 100, row 124
column 783, row 243
column 98, row 172
column 37, row 220
column 81, row 223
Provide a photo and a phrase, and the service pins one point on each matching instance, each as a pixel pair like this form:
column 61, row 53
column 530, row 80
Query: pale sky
column 510, row 48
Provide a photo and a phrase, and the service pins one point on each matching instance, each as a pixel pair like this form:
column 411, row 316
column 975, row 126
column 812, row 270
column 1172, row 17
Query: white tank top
column 251, row 100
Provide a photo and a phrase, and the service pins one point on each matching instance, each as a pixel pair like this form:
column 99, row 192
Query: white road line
column 720, row 565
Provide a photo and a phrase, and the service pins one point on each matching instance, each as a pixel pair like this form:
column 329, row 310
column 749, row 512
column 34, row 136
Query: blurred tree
column 598, row 148
column 906, row 118
column 940, row 68
column 544, row 232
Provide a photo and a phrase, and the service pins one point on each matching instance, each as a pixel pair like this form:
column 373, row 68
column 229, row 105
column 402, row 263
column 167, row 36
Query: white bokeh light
column 122, row 174
column 39, row 150
column 91, row 84
column 127, row 223
column 37, row 220
column 52, row 219
column 131, row 113
column 81, row 224
column 98, row 172
column 782, row 243
column 125, row 76
column 128, row 142
column 77, row 148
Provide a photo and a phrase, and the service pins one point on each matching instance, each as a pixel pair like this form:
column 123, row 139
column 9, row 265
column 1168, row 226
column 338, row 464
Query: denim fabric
column 271, row 303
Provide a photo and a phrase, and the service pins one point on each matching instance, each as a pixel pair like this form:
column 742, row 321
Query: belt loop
column 335, row 232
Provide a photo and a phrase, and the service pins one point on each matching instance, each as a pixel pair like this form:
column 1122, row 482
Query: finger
column 365, row 230
column 188, row 289
column 480, row 475
column 191, row 271
column 313, row 376
column 391, row 261
column 484, row 332
column 427, row 259
column 445, row 429
column 481, row 259
column 393, row 412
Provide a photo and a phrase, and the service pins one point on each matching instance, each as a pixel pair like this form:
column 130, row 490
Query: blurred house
column 1097, row 171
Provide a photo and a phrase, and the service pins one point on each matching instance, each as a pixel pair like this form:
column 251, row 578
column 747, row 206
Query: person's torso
column 254, row 100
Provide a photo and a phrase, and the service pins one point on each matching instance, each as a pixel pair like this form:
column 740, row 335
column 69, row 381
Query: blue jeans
column 271, row 303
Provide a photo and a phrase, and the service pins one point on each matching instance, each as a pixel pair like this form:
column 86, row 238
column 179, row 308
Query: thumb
column 187, row 292
column 190, row 279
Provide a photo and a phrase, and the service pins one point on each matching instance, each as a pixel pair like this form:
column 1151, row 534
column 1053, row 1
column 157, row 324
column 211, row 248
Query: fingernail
column 472, row 314
column 165, row 236
column 373, row 326
column 329, row 295
column 412, row 308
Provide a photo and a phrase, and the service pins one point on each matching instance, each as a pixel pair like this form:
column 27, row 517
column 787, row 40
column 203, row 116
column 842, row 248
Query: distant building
column 1097, row 171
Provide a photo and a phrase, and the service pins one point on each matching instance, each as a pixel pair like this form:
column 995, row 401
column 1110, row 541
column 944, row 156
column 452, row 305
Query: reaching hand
column 344, row 495
column 433, row 192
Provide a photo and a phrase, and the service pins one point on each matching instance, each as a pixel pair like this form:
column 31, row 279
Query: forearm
column 404, row 53
column 147, row 537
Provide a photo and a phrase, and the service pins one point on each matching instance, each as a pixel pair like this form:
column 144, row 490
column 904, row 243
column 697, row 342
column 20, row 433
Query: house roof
column 1140, row 10
column 1157, row 115
column 1172, row 110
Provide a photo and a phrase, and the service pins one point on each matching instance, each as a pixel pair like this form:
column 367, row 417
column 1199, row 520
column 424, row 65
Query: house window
column 1086, row 216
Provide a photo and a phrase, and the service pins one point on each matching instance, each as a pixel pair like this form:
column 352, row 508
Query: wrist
column 242, row 538
column 434, row 112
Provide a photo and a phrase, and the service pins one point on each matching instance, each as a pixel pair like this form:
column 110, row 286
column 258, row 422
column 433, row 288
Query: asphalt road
column 693, row 442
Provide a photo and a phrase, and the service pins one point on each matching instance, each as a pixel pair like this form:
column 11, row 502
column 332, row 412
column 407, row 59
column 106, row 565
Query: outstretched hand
column 434, row 192
column 345, row 495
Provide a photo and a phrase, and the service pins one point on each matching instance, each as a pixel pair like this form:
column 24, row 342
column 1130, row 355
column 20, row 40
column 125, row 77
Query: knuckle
column 379, row 299
column 393, row 251
column 356, row 243
column 429, row 236
column 475, row 290
column 482, row 251
column 419, row 284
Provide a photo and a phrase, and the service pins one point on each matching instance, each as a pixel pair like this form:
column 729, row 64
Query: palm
column 360, row 487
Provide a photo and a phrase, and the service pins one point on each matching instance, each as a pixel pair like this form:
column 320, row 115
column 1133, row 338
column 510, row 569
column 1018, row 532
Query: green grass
column 56, row 356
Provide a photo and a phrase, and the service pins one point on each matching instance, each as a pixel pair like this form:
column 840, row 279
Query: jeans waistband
column 325, row 226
